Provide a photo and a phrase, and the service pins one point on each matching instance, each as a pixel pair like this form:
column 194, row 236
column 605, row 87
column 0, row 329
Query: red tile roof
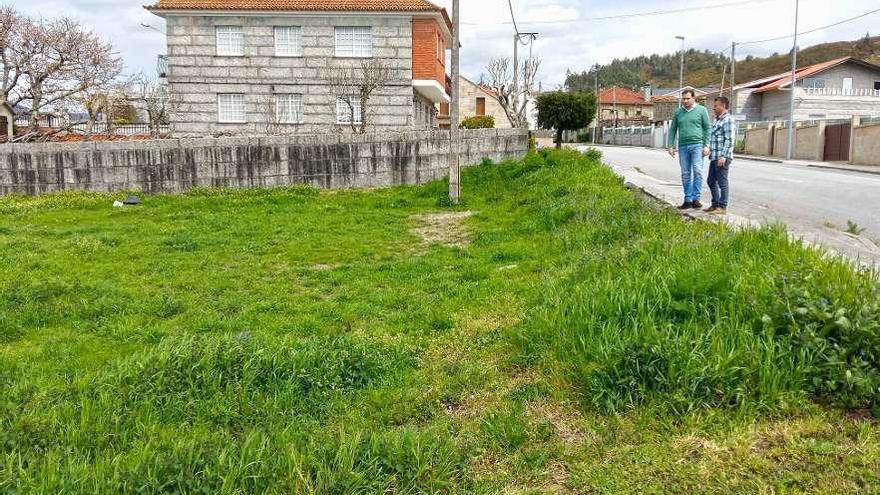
column 304, row 5
column 621, row 96
column 300, row 5
column 785, row 79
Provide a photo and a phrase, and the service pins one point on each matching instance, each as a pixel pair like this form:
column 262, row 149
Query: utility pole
column 598, row 106
column 732, row 72
column 455, row 142
column 681, row 72
column 794, row 54
column 516, row 41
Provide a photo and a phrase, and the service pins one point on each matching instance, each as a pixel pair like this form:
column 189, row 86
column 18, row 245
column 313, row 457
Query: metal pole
column 794, row 54
column 598, row 106
column 681, row 72
column 515, row 65
column 454, row 169
column 732, row 73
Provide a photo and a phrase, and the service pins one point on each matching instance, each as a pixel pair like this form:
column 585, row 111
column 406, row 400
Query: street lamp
column 794, row 56
column 681, row 72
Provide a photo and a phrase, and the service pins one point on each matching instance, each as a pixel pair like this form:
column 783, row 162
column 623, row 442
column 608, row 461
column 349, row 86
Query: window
column 876, row 85
column 481, row 107
column 814, row 83
column 354, row 41
column 230, row 108
column 440, row 50
column 348, row 113
column 289, row 109
column 288, row 41
column 230, row 41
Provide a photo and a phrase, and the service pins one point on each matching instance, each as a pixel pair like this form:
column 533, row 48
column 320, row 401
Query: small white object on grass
column 118, row 204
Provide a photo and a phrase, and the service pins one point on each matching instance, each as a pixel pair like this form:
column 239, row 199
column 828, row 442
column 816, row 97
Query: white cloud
column 487, row 32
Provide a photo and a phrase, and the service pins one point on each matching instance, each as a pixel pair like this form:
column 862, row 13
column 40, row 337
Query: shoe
column 720, row 211
column 710, row 209
column 687, row 205
column 696, row 205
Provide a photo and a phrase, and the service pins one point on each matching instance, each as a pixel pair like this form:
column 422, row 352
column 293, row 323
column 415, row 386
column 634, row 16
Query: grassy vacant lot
column 562, row 338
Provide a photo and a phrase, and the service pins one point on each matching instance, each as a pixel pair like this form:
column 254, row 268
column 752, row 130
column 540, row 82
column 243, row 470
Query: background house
column 836, row 89
column 476, row 100
column 235, row 66
column 666, row 101
column 624, row 107
column 7, row 117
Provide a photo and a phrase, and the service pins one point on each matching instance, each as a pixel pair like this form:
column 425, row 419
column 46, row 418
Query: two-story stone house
column 236, row 66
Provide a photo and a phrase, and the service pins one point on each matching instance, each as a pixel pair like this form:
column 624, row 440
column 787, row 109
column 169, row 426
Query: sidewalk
column 864, row 169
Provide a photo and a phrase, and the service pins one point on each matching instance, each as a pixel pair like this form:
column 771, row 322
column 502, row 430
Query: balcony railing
column 841, row 92
column 162, row 66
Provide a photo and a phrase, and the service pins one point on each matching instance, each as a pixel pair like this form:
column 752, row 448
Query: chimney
column 647, row 92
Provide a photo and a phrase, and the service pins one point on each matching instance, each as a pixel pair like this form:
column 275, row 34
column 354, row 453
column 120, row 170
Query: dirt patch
column 564, row 421
column 446, row 229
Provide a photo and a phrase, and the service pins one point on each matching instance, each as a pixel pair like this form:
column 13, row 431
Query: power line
column 838, row 23
column 631, row 15
column 512, row 17
column 801, row 33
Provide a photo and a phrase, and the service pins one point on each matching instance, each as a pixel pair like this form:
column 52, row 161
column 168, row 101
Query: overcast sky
column 569, row 38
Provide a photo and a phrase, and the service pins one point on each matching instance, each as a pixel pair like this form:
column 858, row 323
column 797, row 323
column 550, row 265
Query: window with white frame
column 348, row 110
column 288, row 41
column 354, row 41
column 230, row 108
column 289, row 108
column 230, row 41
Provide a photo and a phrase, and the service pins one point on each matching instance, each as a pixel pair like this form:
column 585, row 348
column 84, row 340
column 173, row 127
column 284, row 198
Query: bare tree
column 354, row 87
column 46, row 63
column 514, row 100
column 11, row 53
column 157, row 101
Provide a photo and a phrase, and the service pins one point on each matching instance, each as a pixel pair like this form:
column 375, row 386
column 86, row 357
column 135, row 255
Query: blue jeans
column 690, row 157
column 718, row 183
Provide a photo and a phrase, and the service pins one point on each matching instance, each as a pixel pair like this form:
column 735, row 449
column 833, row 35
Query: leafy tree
column 564, row 111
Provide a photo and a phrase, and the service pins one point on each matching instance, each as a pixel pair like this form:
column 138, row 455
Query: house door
column 481, row 107
column 837, row 142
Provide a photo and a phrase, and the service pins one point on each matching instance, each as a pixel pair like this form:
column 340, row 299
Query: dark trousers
column 718, row 183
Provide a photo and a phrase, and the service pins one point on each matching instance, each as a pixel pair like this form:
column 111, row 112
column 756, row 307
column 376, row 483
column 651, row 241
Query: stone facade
column 177, row 165
column 196, row 73
column 470, row 92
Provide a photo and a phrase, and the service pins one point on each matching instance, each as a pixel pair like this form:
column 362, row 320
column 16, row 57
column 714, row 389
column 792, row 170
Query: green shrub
column 478, row 122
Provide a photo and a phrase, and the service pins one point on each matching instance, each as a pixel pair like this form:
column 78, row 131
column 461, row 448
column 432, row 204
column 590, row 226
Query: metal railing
column 875, row 93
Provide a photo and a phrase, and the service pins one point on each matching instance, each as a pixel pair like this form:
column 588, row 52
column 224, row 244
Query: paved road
column 815, row 204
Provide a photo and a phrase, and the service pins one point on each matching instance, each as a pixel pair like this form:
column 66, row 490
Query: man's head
column 722, row 104
column 688, row 98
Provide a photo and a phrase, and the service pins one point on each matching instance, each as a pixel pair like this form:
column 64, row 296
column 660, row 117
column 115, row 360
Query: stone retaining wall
column 177, row 165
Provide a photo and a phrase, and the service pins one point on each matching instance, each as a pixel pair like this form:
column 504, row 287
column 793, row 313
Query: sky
column 570, row 38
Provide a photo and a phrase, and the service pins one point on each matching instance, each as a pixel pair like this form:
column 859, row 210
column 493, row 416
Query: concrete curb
column 846, row 169
column 758, row 158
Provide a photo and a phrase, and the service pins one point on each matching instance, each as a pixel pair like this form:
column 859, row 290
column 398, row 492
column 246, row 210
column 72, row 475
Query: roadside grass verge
column 562, row 337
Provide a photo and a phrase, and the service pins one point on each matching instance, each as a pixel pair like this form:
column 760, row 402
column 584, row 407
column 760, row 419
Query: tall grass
column 290, row 342
column 651, row 309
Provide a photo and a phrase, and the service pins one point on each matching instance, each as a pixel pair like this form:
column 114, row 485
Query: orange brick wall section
column 426, row 63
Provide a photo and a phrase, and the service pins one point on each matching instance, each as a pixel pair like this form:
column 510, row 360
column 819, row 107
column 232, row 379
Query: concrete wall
column 196, row 74
column 866, row 145
column 809, row 142
column 776, row 106
column 176, row 165
column 758, row 141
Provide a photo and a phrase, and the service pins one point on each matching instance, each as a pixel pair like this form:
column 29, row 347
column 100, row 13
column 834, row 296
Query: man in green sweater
column 691, row 123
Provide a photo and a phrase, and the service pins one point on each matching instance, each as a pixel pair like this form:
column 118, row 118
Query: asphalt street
column 815, row 204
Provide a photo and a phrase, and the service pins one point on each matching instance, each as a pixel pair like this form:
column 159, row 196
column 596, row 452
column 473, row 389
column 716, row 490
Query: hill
column 704, row 68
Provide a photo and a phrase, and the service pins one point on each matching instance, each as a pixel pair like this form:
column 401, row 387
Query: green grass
column 289, row 341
